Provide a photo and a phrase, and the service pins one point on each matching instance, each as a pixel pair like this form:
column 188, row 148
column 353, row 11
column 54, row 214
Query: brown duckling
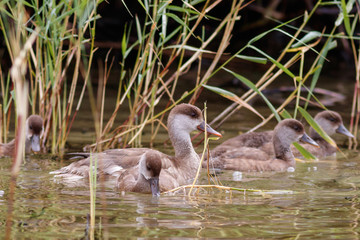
column 331, row 122
column 253, row 159
column 34, row 128
column 148, row 176
column 144, row 177
column 182, row 120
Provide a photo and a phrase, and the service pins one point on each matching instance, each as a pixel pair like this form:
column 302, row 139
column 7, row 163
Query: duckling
column 253, row 159
column 148, row 176
column 144, row 177
column 182, row 120
column 34, row 128
column 331, row 122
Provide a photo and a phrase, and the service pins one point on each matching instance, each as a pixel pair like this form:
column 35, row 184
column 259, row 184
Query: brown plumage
column 34, row 128
column 255, row 159
column 144, row 177
column 181, row 168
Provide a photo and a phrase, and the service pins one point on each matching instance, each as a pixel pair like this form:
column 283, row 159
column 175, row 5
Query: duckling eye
column 193, row 114
column 296, row 128
column 332, row 119
column 30, row 127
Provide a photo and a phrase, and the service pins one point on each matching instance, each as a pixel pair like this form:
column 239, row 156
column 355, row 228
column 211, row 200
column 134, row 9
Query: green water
column 320, row 201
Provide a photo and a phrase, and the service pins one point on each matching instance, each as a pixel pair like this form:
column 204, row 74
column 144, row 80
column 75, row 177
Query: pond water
column 319, row 200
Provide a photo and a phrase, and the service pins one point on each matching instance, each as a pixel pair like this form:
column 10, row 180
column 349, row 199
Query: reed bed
column 59, row 65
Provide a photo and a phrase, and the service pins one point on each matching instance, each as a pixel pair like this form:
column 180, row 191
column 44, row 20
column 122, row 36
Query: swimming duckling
column 331, row 122
column 144, row 177
column 34, row 128
column 253, row 159
column 182, row 120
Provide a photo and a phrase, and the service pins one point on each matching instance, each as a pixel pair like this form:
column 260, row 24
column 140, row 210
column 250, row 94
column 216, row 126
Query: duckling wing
column 252, row 139
column 7, row 149
column 127, row 179
column 168, row 181
column 251, row 165
column 232, row 158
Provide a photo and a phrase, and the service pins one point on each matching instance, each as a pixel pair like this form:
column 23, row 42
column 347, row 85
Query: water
column 318, row 200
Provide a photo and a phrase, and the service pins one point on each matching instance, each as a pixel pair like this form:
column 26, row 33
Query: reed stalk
column 17, row 72
column 57, row 55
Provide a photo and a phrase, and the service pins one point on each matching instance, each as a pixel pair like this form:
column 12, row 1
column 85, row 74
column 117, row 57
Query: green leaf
column 304, row 152
column 253, row 59
column 254, row 88
column 279, row 65
column 189, row 48
column 307, row 38
column 329, row 45
column 138, row 29
column 345, row 10
column 285, row 114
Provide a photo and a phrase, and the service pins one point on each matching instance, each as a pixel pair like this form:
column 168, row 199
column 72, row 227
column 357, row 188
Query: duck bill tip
column 35, row 143
column 342, row 130
column 209, row 129
column 155, row 187
column 306, row 139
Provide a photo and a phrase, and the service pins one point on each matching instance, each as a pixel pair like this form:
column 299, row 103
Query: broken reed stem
column 203, row 154
column 92, row 185
column 262, row 192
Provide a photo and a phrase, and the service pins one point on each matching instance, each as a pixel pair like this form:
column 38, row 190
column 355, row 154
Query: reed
column 56, row 57
column 17, row 73
column 64, row 51
column 163, row 57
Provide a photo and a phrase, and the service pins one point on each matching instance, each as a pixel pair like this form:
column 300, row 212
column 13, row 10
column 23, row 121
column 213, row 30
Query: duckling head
column 291, row 130
column 150, row 168
column 185, row 118
column 34, row 130
column 331, row 122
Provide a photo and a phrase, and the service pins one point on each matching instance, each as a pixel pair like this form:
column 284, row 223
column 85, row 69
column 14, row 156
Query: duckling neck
column 185, row 156
column 283, row 151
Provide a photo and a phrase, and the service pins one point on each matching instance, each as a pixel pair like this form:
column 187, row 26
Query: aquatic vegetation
column 170, row 39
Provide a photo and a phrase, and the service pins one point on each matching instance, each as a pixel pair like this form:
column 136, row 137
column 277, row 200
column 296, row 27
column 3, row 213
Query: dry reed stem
column 17, row 72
